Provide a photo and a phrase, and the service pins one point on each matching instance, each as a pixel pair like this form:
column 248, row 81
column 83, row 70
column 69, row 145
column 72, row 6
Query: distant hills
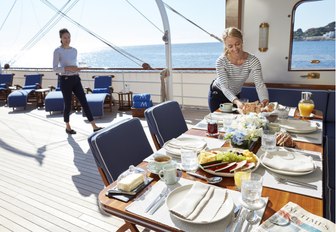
column 321, row 33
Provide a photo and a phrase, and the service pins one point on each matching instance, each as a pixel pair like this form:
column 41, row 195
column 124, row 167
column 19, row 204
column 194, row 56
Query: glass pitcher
column 306, row 104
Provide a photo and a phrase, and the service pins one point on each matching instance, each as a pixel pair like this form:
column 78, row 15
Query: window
column 313, row 36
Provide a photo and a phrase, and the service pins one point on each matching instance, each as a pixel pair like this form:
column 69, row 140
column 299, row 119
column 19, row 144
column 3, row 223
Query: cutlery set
column 286, row 180
column 157, row 202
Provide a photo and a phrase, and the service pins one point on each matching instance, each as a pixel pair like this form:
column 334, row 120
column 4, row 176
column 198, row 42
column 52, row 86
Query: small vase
column 245, row 145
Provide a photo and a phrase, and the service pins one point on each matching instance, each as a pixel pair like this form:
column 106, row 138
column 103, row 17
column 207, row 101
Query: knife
column 158, row 204
column 157, row 199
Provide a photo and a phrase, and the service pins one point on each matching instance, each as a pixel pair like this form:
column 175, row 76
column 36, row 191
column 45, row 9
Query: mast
column 167, row 39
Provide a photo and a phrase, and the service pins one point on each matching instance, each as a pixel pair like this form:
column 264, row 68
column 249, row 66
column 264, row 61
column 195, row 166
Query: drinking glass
column 268, row 141
column 239, row 176
column 189, row 160
column 212, row 128
column 251, row 195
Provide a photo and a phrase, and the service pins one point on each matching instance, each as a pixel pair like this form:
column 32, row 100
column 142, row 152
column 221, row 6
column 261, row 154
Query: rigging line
column 7, row 15
column 42, row 32
column 117, row 49
column 145, row 17
column 212, row 35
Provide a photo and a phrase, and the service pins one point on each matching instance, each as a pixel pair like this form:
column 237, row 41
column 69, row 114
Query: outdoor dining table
column 276, row 198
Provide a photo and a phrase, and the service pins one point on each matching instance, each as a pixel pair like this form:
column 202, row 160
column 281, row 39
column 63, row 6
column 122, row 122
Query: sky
column 120, row 24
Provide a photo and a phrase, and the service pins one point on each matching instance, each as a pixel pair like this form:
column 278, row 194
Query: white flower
column 246, row 127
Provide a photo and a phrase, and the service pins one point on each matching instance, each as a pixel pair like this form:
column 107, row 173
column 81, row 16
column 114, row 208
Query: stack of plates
column 288, row 163
column 298, row 126
column 173, row 146
column 220, row 117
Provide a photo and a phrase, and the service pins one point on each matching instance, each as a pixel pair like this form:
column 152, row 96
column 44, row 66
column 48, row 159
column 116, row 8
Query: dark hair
column 63, row 31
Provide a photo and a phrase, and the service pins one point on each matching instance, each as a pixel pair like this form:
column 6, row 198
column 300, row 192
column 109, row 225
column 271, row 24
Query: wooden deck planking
column 49, row 180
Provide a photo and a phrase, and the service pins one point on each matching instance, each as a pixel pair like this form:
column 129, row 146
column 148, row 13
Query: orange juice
column 306, row 109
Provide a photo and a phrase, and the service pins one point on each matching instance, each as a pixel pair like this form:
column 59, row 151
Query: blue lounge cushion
column 96, row 103
column 142, row 104
column 18, row 98
column 141, row 97
column 54, row 101
column 29, row 87
column 101, row 90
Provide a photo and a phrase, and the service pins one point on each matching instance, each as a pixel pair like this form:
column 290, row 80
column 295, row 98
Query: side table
column 125, row 100
column 40, row 96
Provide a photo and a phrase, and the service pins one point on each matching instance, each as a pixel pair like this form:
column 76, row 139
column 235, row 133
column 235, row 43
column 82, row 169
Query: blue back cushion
column 32, row 80
column 330, row 115
column 6, row 79
column 166, row 121
column 118, row 146
column 102, row 82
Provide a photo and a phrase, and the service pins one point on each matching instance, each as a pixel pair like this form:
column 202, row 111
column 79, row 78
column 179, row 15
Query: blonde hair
column 232, row 32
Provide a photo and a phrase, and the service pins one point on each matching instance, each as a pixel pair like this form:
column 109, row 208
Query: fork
column 236, row 213
column 286, row 180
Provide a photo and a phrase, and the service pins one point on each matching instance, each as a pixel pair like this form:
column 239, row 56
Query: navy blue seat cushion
column 29, row 87
column 166, row 121
column 142, row 104
column 141, row 97
column 118, row 146
column 3, row 86
column 330, row 158
column 289, row 97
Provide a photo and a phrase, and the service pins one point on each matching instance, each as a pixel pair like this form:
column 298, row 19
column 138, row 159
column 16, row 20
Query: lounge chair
column 100, row 96
column 165, row 121
column 20, row 97
column 6, row 80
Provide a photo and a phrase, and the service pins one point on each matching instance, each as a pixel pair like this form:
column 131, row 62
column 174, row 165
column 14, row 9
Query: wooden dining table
column 276, row 198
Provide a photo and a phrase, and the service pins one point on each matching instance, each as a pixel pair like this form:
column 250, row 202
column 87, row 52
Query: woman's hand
column 72, row 69
column 238, row 103
column 265, row 102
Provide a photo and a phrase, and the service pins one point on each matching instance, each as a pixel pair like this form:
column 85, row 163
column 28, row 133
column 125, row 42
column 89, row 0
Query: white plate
column 228, row 111
column 226, row 174
column 177, row 195
column 288, row 173
column 174, row 150
column 298, row 126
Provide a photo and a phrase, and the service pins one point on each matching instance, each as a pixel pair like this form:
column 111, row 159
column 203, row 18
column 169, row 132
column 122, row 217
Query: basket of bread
column 256, row 107
column 224, row 161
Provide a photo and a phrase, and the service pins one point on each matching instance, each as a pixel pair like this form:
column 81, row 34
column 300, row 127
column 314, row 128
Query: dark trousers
column 69, row 85
column 216, row 97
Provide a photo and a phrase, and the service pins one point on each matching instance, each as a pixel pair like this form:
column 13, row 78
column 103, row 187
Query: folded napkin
column 288, row 161
column 201, row 203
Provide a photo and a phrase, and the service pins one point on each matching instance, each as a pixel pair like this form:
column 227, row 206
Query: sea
column 204, row 55
column 191, row 55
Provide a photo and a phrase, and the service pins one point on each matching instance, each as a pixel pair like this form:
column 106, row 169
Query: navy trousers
column 216, row 97
column 69, row 85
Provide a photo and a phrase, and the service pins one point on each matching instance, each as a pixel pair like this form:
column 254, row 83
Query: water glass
column 227, row 121
column 189, row 160
column 251, row 189
column 283, row 112
column 268, row 140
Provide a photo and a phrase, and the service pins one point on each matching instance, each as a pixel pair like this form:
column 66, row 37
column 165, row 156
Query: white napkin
column 288, row 161
column 201, row 203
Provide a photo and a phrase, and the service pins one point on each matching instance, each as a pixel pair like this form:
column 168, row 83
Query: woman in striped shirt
column 233, row 68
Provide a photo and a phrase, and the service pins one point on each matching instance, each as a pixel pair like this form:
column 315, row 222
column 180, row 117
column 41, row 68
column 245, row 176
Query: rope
column 117, row 49
column 7, row 16
column 145, row 17
column 212, row 35
column 43, row 31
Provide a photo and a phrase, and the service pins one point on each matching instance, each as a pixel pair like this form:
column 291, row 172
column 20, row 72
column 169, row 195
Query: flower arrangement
column 245, row 129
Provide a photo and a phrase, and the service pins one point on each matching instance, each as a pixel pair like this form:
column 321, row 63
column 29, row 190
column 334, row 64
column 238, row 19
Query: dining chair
column 117, row 147
column 165, row 121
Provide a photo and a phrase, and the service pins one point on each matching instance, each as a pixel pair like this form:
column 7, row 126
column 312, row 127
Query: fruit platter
column 225, row 160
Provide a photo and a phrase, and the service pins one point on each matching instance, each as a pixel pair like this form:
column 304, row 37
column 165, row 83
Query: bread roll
column 130, row 182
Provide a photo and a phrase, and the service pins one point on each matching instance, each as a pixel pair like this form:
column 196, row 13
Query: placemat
column 315, row 177
column 162, row 215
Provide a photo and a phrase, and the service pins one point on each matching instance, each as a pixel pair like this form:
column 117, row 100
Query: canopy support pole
column 167, row 39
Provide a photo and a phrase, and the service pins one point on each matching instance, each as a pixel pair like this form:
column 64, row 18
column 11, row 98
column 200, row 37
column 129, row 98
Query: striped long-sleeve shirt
column 231, row 77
